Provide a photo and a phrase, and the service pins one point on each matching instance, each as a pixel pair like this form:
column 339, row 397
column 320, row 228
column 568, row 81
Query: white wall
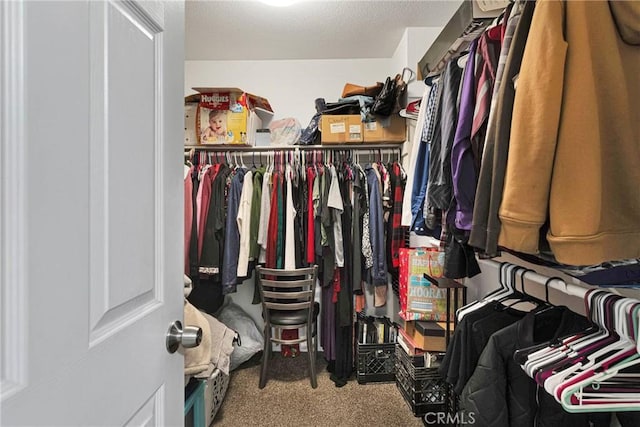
column 290, row 86
column 411, row 48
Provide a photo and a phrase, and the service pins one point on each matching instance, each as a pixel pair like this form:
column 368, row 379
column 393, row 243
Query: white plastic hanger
column 575, row 399
column 506, row 279
column 553, row 353
column 552, row 383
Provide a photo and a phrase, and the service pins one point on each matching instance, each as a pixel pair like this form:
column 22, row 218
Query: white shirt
column 244, row 223
column 265, row 210
column 335, row 201
column 415, row 144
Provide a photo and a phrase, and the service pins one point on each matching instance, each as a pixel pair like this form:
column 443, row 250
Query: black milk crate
column 422, row 388
column 415, row 364
column 376, row 363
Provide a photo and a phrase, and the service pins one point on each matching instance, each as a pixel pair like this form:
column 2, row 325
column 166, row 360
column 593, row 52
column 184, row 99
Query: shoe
column 412, row 110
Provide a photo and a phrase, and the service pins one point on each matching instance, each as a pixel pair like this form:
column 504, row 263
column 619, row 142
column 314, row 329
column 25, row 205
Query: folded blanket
column 197, row 359
column 221, row 343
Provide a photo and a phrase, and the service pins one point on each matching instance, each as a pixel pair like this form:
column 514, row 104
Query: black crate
column 422, row 388
column 376, row 363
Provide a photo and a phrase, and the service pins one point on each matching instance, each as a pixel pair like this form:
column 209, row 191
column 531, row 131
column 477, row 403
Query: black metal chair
column 288, row 303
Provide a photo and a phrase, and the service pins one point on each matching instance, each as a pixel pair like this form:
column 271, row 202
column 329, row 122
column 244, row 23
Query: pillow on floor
column 251, row 339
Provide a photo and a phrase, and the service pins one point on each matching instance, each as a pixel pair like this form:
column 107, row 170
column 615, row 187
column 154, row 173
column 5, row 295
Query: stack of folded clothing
column 412, row 110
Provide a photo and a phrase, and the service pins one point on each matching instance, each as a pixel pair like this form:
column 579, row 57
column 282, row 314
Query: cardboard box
column 427, row 335
column 190, row 134
column 430, row 336
column 395, row 132
column 226, row 116
column 340, row 129
column 409, row 327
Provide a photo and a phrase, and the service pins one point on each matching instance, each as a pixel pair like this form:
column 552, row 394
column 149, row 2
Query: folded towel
column 197, row 359
column 221, row 343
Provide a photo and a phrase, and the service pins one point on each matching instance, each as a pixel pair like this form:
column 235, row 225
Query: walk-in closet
column 320, row 213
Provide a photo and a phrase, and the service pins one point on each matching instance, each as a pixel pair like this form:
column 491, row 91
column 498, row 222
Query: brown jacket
column 574, row 154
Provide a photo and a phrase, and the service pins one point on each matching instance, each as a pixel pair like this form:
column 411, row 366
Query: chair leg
column 266, row 354
column 311, row 350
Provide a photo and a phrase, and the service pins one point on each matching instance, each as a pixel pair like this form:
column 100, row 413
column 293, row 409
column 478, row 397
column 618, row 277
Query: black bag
column 391, row 98
column 340, row 108
column 311, row 134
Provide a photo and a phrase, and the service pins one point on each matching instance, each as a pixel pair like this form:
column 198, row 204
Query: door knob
column 189, row 337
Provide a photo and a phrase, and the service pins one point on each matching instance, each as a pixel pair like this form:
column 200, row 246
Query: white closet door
column 90, row 213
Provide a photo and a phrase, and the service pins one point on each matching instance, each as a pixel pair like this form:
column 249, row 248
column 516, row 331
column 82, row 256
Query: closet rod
column 359, row 147
column 534, row 285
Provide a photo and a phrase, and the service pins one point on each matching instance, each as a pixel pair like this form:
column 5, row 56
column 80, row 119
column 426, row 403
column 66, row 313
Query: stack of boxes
column 421, row 346
column 349, row 129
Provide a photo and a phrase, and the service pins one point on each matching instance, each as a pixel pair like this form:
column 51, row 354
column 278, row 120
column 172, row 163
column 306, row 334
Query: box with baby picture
column 224, row 116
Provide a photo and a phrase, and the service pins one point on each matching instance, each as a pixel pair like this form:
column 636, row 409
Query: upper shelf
column 469, row 21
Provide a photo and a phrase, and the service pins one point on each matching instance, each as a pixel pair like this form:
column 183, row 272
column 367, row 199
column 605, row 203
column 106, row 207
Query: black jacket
column 500, row 394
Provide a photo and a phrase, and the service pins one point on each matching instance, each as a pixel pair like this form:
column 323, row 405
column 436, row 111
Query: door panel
column 125, row 125
column 95, row 263
column 13, row 325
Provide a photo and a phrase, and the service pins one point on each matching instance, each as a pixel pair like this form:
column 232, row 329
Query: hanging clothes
column 440, row 191
column 395, row 233
column 232, row 234
column 333, row 214
column 281, row 212
column 486, row 223
column 311, row 250
column 272, row 228
column 378, row 271
column 522, row 404
column 243, row 220
column 265, row 212
column 566, row 128
column 289, row 250
column 334, row 203
column 213, row 235
column 188, row 216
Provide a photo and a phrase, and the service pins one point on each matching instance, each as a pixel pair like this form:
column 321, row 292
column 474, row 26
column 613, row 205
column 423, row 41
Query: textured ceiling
column 251, row 30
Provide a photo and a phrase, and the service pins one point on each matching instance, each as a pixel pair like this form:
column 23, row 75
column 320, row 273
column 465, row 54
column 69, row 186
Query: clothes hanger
column 612, row 385
column 552, row 375
column 578, row 355
column 474, row 305
column 522, row 295
column 556, row 351
column 521, row 355
column 572, row 396
column 504, row 290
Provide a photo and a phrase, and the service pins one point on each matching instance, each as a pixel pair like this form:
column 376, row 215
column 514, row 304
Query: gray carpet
column 289, row 400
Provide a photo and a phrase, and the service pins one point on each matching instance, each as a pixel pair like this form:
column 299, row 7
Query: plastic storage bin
column 422, row 388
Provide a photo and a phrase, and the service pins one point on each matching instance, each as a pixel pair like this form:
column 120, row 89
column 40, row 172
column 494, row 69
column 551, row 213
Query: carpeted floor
column 289, row 400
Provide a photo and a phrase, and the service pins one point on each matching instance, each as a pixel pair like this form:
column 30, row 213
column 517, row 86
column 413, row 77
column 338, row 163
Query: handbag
column 391, row 98
column 351, row 89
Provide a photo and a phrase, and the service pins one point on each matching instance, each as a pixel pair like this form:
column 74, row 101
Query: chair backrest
column 287, row 290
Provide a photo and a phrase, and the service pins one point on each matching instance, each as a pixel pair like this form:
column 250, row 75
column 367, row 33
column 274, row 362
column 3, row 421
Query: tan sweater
column 574, row 154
